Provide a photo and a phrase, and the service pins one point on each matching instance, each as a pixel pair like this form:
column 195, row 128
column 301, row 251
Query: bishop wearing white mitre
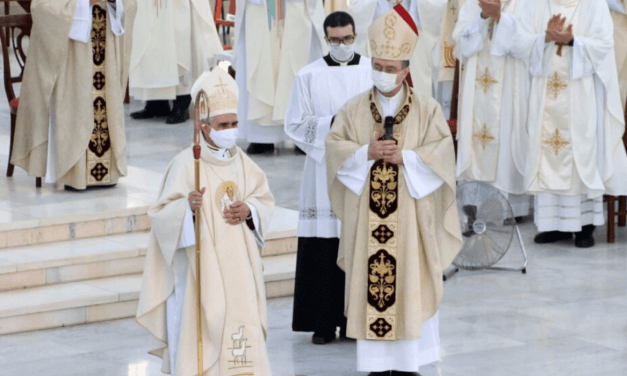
column 574, row 131
column 70, row 122
column 395, row 196
column 427, row 15
column 235, row 205
column 493, row 102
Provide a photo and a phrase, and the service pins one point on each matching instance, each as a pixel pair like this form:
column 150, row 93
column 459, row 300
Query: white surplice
column 405, row 355
column 575, row 152
column 493, row 105
column 319, row 91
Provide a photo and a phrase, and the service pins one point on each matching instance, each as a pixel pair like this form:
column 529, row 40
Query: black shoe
column 260, row 149
column 584, row 238
column 384, row 373
column 400, row 373
column 509, row 221
column 343, row 332
column 180, row 110
column 322, row 338
column 153, row 109
column 88, row 188
column 299, row 151
column 552, row 237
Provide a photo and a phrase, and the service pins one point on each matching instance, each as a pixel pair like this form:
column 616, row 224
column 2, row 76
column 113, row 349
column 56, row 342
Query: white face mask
column 224, row 139
column 342, row 52
column 385, row 82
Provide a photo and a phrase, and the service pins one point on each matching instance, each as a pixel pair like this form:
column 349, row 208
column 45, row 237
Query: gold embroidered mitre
column 221, row 90
column 393, row 36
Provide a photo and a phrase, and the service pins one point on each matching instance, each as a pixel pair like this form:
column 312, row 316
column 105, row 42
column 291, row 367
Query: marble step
column 104, row 299
column 280, row 235
column 70, row 227
column 83, row 259
column 69, row 261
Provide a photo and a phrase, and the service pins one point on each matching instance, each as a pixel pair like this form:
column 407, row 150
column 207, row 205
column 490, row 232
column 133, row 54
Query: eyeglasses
column 347, row 40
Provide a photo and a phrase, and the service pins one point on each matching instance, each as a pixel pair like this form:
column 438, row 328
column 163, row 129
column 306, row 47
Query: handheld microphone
column 389, row 127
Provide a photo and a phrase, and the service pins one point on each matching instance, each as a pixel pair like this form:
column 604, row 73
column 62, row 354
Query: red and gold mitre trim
column 393, row 36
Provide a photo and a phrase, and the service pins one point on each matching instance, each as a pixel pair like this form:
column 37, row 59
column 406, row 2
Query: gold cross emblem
column 556, row 142
column 486, row 80
column 484, row 136
column 222, row 85
column 556, row 85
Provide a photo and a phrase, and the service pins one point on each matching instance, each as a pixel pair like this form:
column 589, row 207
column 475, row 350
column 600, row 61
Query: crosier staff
column 201, row 112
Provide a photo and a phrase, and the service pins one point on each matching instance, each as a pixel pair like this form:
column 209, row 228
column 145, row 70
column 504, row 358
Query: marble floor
column 567, row 316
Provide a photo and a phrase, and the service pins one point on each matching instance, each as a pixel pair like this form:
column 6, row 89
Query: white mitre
column 221, row 89
column 394, row 35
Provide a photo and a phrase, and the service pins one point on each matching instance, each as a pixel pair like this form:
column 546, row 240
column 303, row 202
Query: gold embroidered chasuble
column 86, row 82
column 620, row 47
column 233, row 291
column 393, row 247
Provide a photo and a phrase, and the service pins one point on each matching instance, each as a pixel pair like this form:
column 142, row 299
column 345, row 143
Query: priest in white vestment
column 493, row 102
column 391, row 178
column 574, row 151
column 319, row 91
column 70, row 122
column 618, row 10
column 274, row 39
column 174, row 41
column 235, row 205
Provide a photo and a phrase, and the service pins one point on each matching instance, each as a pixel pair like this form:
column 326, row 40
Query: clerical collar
column 390, row 105
column 218, row 152
column 334, row 63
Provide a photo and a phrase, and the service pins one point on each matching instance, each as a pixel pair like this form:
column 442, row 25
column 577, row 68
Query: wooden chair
column 452, row 122
column 218, row 17
column 612, row 213
column 13, row 29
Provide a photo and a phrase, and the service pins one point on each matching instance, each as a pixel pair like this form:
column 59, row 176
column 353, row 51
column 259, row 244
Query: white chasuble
column 70, row 123
column 393, row 270
column 233, row 290
column 320, row 90
column 619, row 17
column 575, row 124
column 175, row 42
column 274, row 39
column 493, row 104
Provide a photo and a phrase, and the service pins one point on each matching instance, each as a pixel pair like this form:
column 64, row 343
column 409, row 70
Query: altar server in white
column 320, row 90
